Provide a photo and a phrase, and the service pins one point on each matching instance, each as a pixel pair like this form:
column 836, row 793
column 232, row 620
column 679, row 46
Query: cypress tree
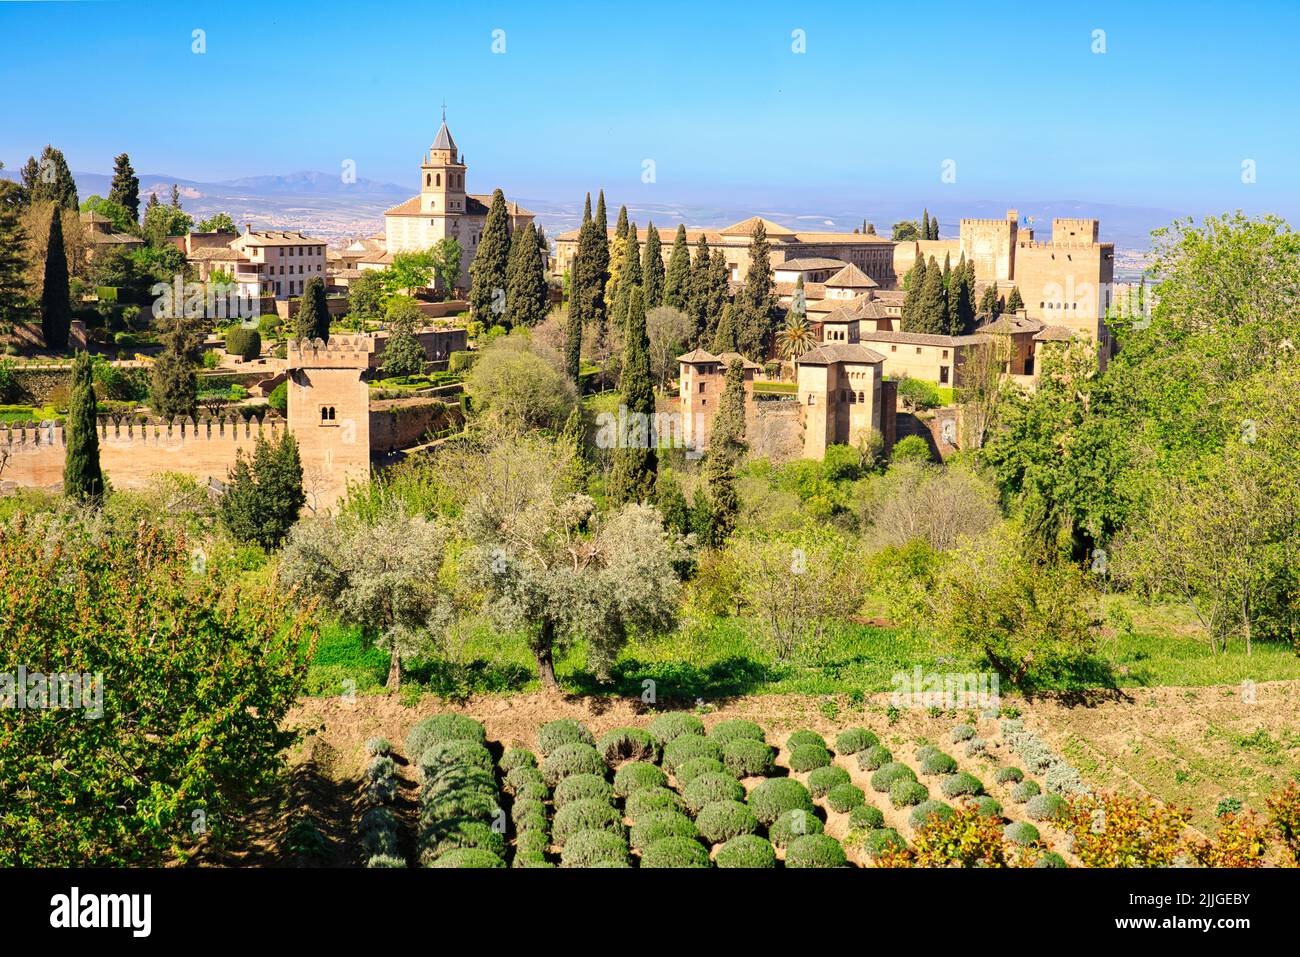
column 931, row 314
column 724, row 336
column 913, row 283
column 82, row 478
column 925, row 224
column 1014, row 302
column 718, row 293
column 632, row 477
column 631, row 278
column 671, row 502
column 617, row 255
column 677, row 278
column 598, row 310
column 871, row 229
column 173, row 386
column 56, row 299
column 578, row 296
column 125, row 189
column 989, row 301
column 754, row 302
column 698, row 300
column 726, row 447
column 15, row 296
column 312, row 320
column 487, row 287
column 961, row 300
column 652, row 268
column 526, row 292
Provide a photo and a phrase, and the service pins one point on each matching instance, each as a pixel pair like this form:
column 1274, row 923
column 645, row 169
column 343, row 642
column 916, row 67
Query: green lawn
column 9, row 414
column 777, row 388
column 719, row 658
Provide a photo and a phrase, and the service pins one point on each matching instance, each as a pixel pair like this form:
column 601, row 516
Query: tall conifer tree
column 56, row 299
column 125, row 190
column 15, row 294
column 526, row 290
column 754, row 302
column 652, row 268
column 488, row 280
column 82, row 478
column 632, row 477
column 579, row 277
column 677, row 278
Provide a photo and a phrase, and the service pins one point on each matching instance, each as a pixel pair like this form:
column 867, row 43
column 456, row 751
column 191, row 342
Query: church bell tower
column 442, row 176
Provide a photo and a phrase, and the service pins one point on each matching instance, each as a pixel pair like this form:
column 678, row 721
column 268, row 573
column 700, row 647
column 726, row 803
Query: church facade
column 444, row 208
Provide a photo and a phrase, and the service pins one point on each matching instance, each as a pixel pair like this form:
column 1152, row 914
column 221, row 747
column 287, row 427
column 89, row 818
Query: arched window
column 439, row 179
column 426, row 179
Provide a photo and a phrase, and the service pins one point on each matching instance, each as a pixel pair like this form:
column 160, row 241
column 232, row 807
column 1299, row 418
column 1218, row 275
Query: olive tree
column 380, row 574
column 548, row 562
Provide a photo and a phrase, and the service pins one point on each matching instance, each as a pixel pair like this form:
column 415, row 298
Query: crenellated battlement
column 145, row 432
column 1040, row 244
column 339, row 352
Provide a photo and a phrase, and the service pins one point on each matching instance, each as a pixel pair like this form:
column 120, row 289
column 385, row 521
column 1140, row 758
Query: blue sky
column 711, row 92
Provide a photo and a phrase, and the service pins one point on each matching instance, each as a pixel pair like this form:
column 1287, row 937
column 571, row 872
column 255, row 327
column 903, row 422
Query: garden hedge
column 747, row 850
column 720, row 821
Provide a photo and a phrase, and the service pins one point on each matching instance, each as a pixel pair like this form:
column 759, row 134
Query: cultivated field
column 1187, row 746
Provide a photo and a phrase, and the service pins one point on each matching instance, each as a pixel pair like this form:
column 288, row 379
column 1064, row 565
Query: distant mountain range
column 324, row 205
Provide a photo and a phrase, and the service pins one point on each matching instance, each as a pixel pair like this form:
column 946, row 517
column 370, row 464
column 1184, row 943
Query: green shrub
column 623, row 744
column 636, row 776
column 987, row 806
column 649, row 800
column 378, row 746
column 446, row 836
column 1009, row 776
column 242, row 342
column 747, row 758
column 585, row 816
column 1050, row 859
column 845, row 797
column 708, row 788
column 720, row 821
column 661, row 824
column 1045, row 807
column 906, row 793
column 746, row 850
column 802, row 738
column 517, row 758
column 853, row 740
column 1025, row 790
column 530, row 859
column 776, row 795
column 925, row 751
column 926, row 809
column 673, row 725
column 883, row 839
column 739, row 729
column 594, row 849
column 568, row 759
column 962, row 732
column 1021, row 832
column 556, row 734
column 454, row 754
column 532, row 841
column 807, row 757
column 532, row 790
column 976, row 746
column 687, row 747
column 468, row 857
column 279, row 398
column 529, row 816
column 693, row 768
column 884, row 779
column 675, row 852
column 874, row 757
column 442, row 727
column 815, row 850
column 821, row 780
column 936, row 762
column 911, row 448
column 388, row 860
column 961, row 783
column 865, row 817
column 582, row 787
column 794, row 824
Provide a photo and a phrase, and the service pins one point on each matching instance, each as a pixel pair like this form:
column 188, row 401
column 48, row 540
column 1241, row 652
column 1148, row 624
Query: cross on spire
column 444, row 109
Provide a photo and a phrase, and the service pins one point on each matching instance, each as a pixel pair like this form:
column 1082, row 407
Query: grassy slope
column 720, row 658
